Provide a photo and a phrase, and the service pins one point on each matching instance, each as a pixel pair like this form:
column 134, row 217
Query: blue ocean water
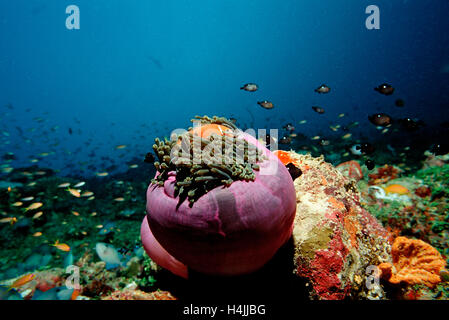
column 138, row 69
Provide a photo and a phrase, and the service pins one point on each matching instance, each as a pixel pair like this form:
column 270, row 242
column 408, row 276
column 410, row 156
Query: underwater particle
column 251, row 87
column 74, row 192
column 37, row 215
column 265, row 104
column 385, row 89
column 370, row 164
column 61, row 246
column 121, row 146
column 318, row 109
column 323, row 89
column 101, row 174
column 399, row 103
column 17, row 204
column 380, row 119
column 37, row 234
column 294, row 171
column 34, row 206
column 149, row 158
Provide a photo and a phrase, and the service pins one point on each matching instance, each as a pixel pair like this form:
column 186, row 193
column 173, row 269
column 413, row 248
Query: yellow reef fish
column 74, row 192
column 91, row 198
column 120, row 199
column 93, row 214
column 34, row 206
column 101, row 174
column 87, row 194
column 61, row 246
column 341, row 115
column 37, row 234
column 37, row 215
column 347, row 136
column 17, row 204
column 121, row 146
column 11, row 220
column 22, row 281
column 315, row 138
column 75, row 213
column 133, row 166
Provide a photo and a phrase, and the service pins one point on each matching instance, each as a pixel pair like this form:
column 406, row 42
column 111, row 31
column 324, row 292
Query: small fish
column 34, row 160
column 34, row 206
column 345, row 154
column 37, row 234
column 121, row 146
column 315, row 138
column 385, row 89
column 38, row 214
column 251, row 87
column 302, row 121
column 75, row 213
column 74, row 192
column 87, row 194
column 369, row 164
column 40, row 173
column 31, row 184
column 380, row 119
column 341, row 115
column 91, row 198
column 384, row 131
column 323, row 89
column 27, row 199
column 93, row 214
column 325, row 142
column 133, row 166
column 265, row 104
column 333, row 128
column 11, row 220
column 64, row 185
column 149, row 158
column 289, row 127
column 318, row 109
column 100, row 226
column 399, row 103
column 101, row 174
column 294, row 171
column 61, row 246
column 17, row 204
column 120, row 199
column 79, row 184
column 22, row 281
column 347, row 136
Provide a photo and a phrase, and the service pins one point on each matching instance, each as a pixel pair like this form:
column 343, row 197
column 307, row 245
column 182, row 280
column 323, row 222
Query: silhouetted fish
column 385, row 89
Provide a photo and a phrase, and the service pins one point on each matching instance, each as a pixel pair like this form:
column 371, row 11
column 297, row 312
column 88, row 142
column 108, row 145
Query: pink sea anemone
column 229, row 230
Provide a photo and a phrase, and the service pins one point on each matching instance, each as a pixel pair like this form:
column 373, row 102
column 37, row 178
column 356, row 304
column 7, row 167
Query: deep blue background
column 159, row 63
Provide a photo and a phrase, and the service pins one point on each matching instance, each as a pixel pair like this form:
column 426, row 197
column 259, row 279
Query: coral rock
column 335, row 238
column 139, row 295
column 414, row 262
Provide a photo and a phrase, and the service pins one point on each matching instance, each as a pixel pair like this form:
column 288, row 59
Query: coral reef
column 414, row 262
column 335, row 238
column 384, row 174
column 351, row 169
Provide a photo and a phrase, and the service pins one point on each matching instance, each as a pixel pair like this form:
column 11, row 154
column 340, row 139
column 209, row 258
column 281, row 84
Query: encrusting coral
column 414, row 262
